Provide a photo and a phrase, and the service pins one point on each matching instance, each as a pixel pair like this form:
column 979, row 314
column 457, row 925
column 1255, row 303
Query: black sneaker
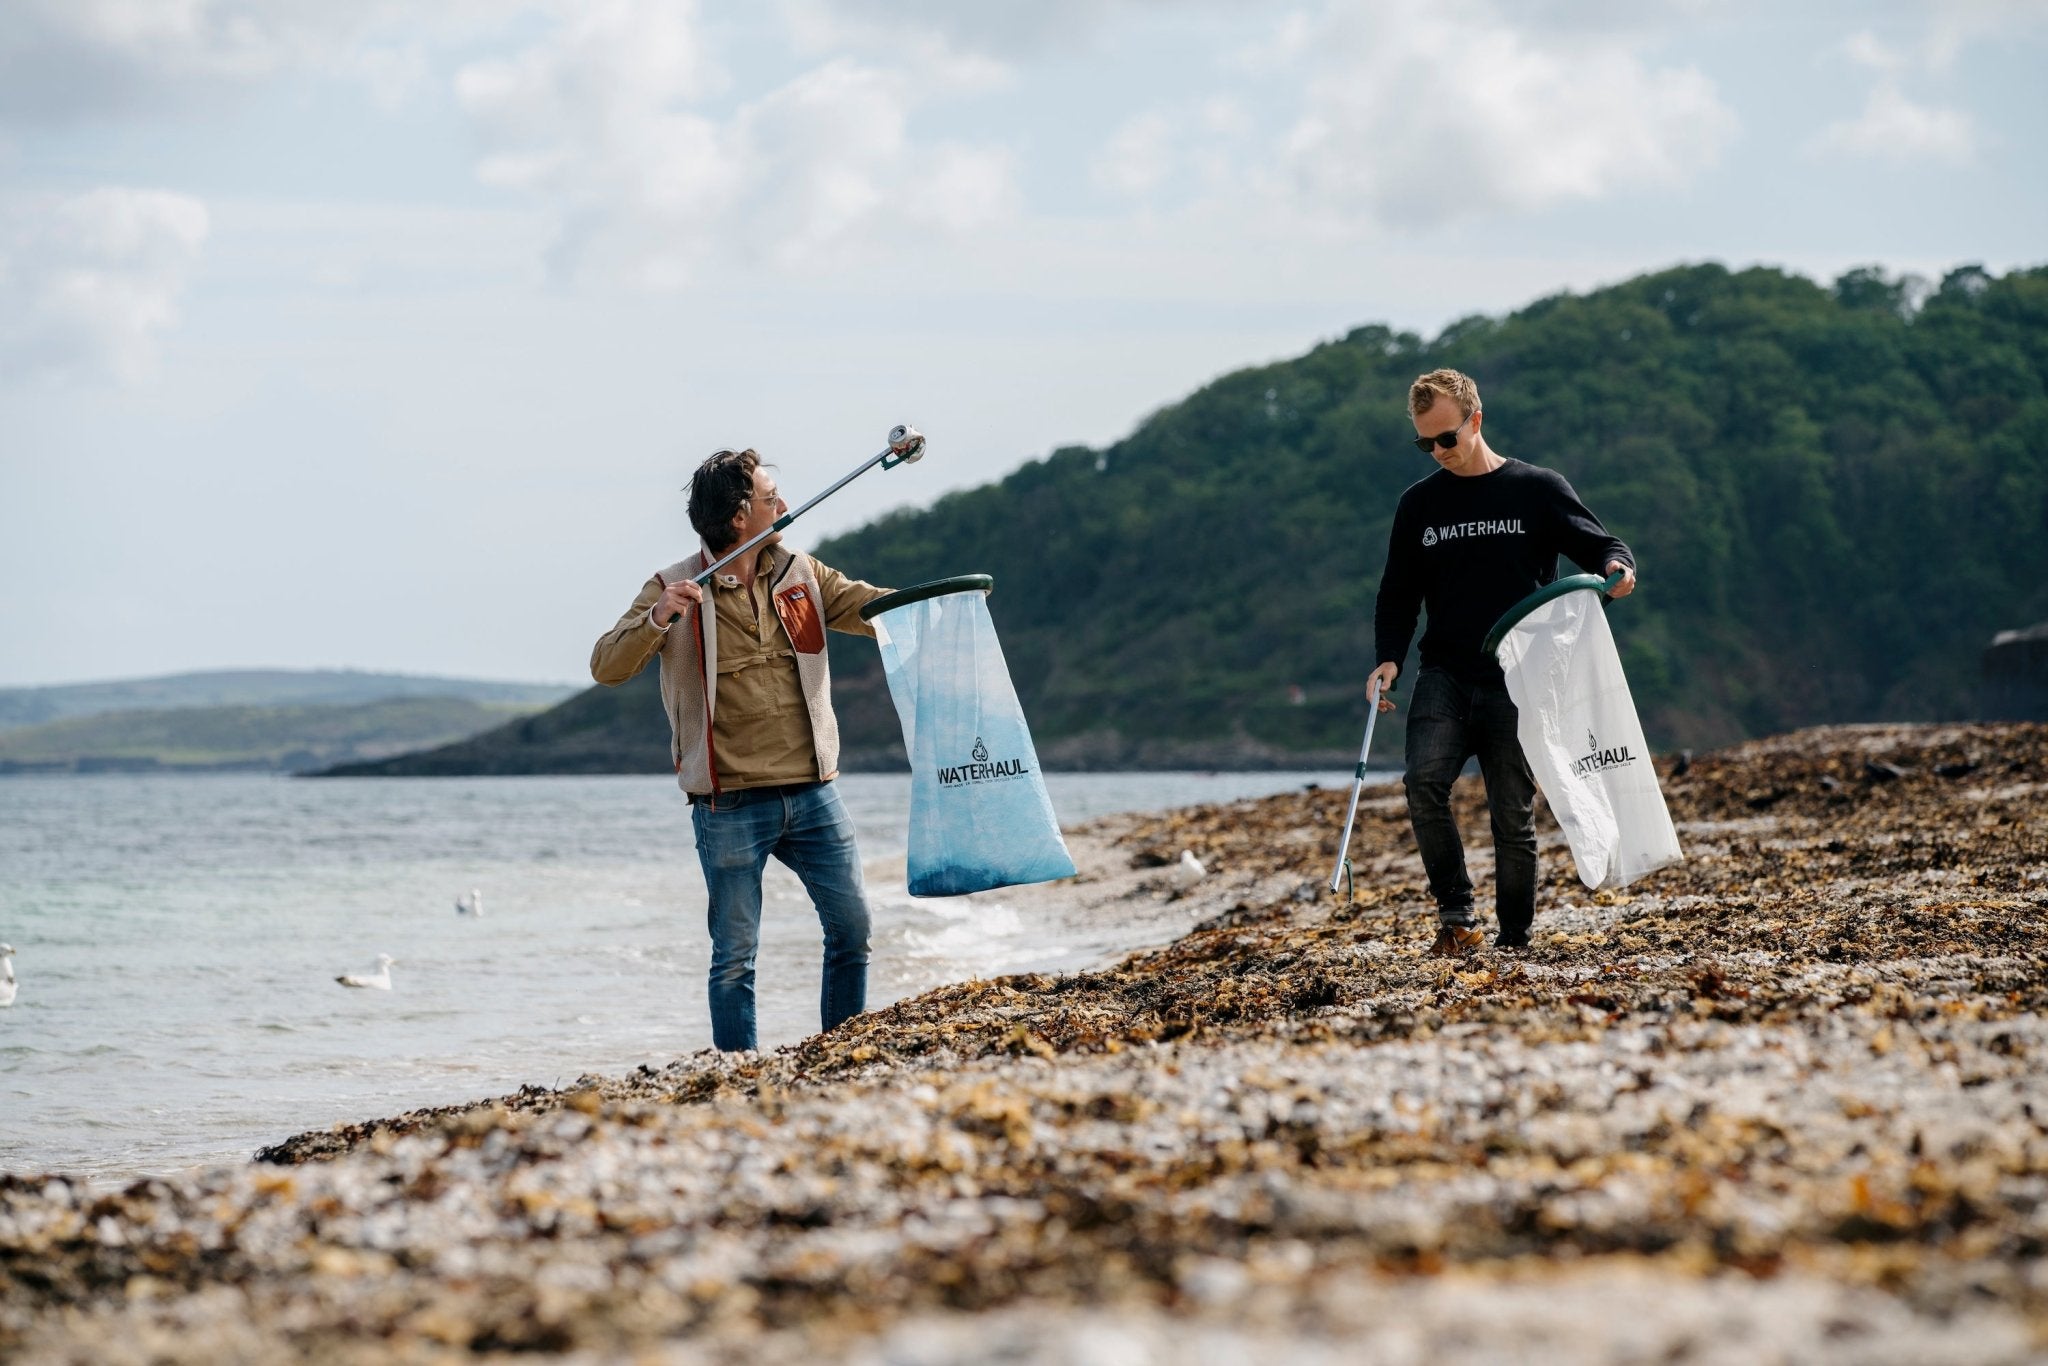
column 1504, row 940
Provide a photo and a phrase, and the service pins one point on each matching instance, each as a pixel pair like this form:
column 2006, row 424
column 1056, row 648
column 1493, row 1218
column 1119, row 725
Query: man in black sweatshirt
column 1470, row 541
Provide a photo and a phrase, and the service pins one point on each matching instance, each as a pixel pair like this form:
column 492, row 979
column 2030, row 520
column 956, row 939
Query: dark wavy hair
column 721, row 486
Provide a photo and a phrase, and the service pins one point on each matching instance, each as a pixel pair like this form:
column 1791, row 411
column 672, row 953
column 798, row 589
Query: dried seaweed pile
column 1794, row 1082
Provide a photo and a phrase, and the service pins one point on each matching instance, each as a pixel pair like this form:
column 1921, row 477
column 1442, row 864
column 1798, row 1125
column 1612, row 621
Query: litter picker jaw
column 905, row 447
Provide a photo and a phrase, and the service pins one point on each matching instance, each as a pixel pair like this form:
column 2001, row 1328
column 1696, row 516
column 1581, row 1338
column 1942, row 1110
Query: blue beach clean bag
column 979, row 813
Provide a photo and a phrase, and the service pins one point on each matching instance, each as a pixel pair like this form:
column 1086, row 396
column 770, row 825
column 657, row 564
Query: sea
column 178, row 937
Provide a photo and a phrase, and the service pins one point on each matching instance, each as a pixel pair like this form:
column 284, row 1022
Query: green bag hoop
column 1549, row 591
column 937, row 588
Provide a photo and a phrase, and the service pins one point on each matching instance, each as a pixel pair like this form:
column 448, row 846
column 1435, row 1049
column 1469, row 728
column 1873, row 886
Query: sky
column 384, row 335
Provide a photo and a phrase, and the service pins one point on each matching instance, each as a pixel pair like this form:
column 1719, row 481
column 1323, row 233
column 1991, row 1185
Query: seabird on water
column 7, row 983
column 470, row 903
column 379, row 980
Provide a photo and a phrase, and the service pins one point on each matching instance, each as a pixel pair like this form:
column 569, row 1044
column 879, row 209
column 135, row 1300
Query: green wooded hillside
column 1837, row 495
column 265, row 738
column 35, row 706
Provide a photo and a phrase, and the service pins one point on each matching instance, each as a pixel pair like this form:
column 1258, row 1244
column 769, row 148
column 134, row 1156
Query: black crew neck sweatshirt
column 1468, row 547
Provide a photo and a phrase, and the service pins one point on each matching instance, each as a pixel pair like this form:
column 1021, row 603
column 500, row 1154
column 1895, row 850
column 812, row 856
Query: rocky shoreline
column 1783, row 1102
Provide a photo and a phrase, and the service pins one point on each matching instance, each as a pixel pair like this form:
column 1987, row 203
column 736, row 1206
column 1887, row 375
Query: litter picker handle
column 1372, row 716
column 906, row 447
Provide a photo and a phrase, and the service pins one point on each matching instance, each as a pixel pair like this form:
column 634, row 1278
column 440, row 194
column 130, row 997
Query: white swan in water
column 470, row 903
column 7, row 983
column 380, row 980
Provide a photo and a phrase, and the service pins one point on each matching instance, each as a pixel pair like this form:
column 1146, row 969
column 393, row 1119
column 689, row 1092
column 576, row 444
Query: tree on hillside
column 1837, row 493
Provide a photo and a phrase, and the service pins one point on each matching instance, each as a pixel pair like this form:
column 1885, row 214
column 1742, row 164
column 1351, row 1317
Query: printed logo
column 1464, row 531
column 1599, row 760
column 983, row 769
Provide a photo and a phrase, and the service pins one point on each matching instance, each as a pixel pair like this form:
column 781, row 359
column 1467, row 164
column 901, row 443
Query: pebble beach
column 1783, row 1102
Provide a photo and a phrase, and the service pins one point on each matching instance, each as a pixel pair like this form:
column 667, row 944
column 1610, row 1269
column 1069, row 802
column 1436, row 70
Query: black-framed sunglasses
column 1429, row 444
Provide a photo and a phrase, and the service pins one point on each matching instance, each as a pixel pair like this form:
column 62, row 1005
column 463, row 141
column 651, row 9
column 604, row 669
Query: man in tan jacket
column 745, row 682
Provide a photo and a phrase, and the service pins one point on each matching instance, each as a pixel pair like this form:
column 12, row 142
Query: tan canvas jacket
column 739, row 714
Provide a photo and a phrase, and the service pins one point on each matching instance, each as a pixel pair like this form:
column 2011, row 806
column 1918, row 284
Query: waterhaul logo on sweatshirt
column 982, row 770
column 1599, row 760
column 1460, row 531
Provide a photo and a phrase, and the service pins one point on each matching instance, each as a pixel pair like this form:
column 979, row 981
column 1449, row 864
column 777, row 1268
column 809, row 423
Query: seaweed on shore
column 1809, row 1053
column 1845, row 871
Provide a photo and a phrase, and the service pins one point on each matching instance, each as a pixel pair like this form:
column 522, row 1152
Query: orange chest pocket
column 798, row 608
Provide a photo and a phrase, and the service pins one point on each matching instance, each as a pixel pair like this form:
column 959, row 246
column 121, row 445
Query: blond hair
column 1455, row 385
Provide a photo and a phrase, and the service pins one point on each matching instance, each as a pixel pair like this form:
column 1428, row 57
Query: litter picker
column 906, row 447
column 1372, row 716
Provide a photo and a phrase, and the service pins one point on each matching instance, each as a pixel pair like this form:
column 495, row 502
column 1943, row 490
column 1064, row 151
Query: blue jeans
column 1450, row 721
column 804, row 825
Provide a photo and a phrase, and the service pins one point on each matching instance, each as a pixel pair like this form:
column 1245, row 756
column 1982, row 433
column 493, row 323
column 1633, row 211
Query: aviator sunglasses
column 1428, row 444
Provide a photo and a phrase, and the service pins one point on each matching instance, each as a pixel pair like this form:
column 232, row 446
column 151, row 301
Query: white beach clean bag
column 1580, row 733
column 979, row 813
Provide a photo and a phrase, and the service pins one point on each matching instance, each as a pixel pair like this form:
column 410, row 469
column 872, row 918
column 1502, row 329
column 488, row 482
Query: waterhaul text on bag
column 1580, row 733
column 979, row 813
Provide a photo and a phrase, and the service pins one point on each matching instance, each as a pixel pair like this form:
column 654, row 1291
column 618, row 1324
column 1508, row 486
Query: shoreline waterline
column 178, row 938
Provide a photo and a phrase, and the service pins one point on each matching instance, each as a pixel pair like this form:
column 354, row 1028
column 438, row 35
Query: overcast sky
column 346, row 333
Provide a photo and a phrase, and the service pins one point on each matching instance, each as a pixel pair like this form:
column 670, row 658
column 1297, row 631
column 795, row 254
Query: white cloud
column 393, row 75
column 1866, row 49
column 1895, row 128
column 88, row 281
column 1138, row 156
column 1957, row 24
column 1284, row 44
column 964, row 187
column 1417, row 114
column 67, row 59
column 1946, row 31
column 604, row 117
column 1196, row 149
column 988, row 29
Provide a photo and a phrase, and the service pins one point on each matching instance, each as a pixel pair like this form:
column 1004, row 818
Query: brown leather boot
column 1453, row 942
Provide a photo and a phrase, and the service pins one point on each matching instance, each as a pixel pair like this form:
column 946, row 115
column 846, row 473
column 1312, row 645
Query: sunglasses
column 1428, row 444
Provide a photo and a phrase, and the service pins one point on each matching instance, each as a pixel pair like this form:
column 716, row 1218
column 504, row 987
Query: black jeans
column 1448, row 722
